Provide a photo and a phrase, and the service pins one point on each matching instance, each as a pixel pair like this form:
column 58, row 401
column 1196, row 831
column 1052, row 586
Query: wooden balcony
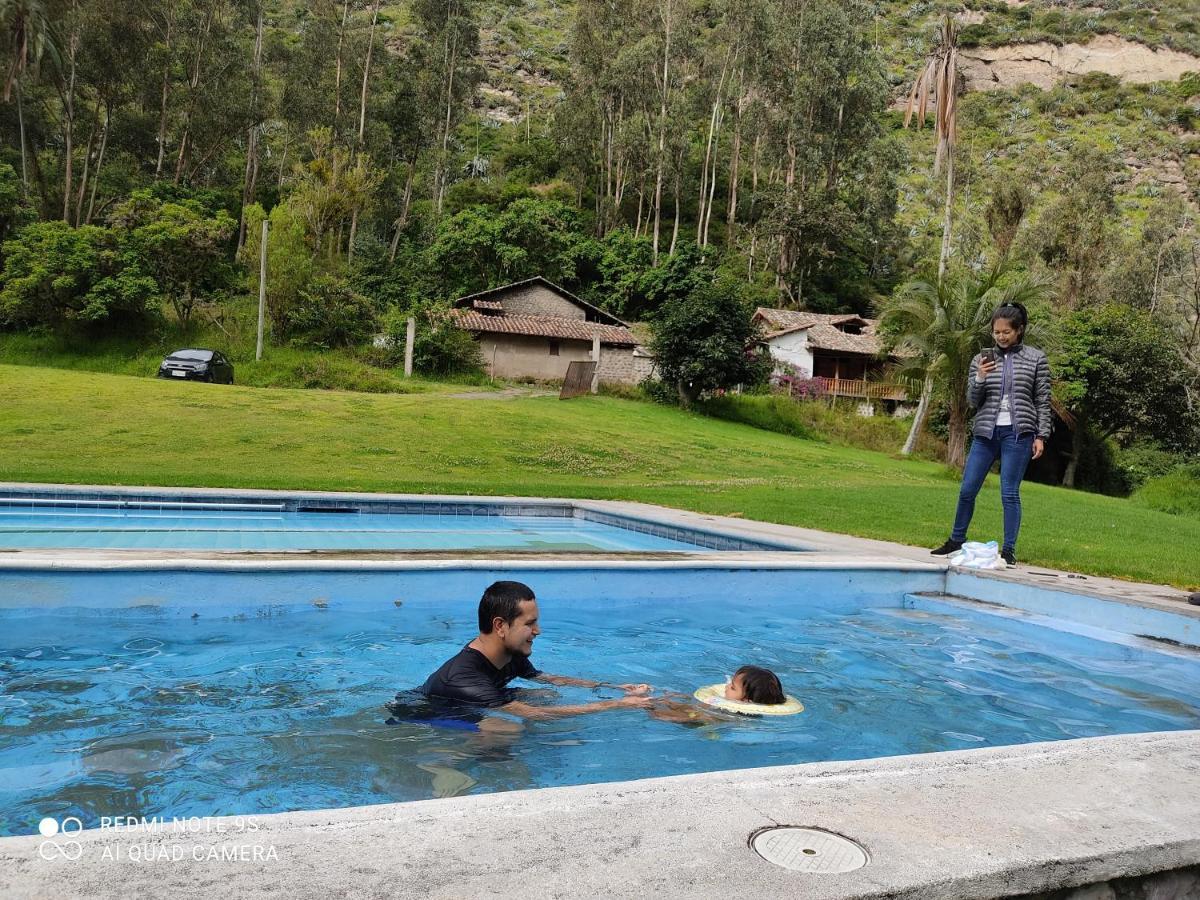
column 865, row 390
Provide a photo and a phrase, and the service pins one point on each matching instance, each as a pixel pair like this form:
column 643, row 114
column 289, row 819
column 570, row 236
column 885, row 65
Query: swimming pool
column 201, row 693
column 107, row 521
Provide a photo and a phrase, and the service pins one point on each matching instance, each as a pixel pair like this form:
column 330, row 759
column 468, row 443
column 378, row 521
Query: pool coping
column 686, row 835
column 976, row 824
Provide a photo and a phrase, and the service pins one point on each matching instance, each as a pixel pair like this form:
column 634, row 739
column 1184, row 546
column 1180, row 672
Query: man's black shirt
column 469, row 677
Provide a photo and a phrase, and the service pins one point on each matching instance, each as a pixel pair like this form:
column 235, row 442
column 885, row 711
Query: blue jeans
column 1014, row 453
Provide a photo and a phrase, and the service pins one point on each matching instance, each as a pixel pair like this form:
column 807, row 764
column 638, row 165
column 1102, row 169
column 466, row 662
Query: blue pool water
column 102, row 527
column 180, row 694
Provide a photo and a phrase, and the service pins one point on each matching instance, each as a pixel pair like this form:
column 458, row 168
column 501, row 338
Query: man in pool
column 477, row 676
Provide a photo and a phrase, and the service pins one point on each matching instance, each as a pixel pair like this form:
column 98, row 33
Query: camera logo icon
column 65, row 849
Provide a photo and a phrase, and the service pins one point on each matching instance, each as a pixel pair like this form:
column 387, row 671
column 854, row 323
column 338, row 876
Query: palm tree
column 937, row 327
column 939, row 79
column 27, row 26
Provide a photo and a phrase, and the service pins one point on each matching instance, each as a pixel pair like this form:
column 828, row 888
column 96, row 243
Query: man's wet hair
column 502, row 600
column 760, row 685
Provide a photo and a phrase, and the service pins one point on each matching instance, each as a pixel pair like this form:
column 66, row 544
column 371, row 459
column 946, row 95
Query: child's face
column 734, row 689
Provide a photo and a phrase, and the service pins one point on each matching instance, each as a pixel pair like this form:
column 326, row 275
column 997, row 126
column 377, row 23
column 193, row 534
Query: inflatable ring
column 714, row 695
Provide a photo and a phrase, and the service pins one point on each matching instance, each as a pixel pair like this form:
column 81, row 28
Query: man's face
column 519, row 634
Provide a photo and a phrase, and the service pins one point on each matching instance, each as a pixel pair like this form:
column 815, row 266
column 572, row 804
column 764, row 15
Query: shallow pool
column 180, row 694
column 231, row 528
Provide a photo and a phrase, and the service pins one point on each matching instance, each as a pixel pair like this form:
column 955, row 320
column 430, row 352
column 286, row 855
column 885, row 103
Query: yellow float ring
column 714, row 695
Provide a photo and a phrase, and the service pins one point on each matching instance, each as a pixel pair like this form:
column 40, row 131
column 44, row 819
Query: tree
column 182, row 247
column 329, row 313
column 1121, row 375
column 706, row 341
column 939, row 79
column 938, row 325
column 479, row 248
column 56, row 275
column 1074, row 235
column 26, row 24
column 14, row 211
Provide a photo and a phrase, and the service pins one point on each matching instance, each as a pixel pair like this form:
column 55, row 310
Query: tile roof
column 826, row 337
column 543, row 326
column 792, row 319
column 823, row 333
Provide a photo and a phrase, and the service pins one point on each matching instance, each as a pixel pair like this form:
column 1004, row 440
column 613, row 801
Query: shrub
column 1177, row 493
column 705, row 342
column 328, row 313
column 439, row 349
column 55, row 274
column 342, row 375
column 1140, row 463
column 817, row 420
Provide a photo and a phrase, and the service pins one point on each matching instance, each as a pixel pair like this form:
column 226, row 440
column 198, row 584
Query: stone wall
column 539, row 300
column 616, row 365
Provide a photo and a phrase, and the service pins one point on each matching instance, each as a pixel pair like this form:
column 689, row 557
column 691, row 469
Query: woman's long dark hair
column 1014, row 313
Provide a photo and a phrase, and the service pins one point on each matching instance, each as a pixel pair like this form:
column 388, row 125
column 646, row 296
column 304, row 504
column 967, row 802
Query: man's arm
column 528, row 711
column 568, row 681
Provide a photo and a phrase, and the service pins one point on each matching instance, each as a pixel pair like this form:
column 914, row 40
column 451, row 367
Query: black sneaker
column 1008, row 556
column 951, row 546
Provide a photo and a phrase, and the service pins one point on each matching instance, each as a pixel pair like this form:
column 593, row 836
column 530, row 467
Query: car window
column 192, row 354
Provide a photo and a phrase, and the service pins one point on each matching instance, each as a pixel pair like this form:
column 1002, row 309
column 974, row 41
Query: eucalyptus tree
column 449, row 32
column 826, row 89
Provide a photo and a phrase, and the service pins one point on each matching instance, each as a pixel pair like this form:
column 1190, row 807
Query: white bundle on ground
column 976, row 555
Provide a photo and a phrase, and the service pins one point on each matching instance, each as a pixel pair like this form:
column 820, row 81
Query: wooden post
column 409, row 339
column 262, row 291
column 596, row 360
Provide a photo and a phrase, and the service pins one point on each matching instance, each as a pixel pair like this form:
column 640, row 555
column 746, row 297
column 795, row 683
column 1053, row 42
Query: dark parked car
column 197, row 365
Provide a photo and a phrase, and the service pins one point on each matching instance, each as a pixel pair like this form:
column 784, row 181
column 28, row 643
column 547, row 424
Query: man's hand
column 1038, row 446
column 633, row 700
column 640, row 690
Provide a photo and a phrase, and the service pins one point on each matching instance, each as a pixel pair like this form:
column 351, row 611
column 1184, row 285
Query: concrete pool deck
column 982, row 823
column 975, row 824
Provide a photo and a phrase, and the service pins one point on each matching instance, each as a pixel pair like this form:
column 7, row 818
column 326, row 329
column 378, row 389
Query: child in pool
column 749, row 684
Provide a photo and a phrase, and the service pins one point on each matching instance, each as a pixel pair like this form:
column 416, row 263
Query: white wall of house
column 793, row 349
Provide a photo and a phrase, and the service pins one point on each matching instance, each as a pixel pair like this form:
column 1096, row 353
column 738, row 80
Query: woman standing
column 1009, row 387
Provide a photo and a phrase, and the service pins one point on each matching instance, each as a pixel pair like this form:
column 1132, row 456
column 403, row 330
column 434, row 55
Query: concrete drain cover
column 808, row 849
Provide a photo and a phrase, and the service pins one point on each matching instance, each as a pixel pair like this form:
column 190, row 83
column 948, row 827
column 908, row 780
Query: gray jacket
column 1030, row 394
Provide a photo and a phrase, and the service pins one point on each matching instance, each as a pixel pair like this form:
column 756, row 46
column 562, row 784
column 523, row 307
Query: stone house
column 535, row 329
column 841, row 352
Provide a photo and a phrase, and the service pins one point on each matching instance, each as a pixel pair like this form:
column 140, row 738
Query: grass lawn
column 75, row 427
